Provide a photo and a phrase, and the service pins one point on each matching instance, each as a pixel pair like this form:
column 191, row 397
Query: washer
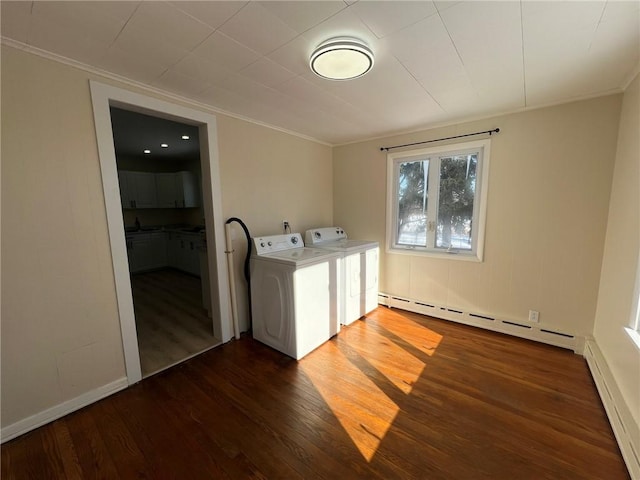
column 294, row 294
column 359, row 270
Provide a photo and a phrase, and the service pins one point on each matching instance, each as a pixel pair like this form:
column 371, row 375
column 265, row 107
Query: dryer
column 294, row 294
column 359, row 270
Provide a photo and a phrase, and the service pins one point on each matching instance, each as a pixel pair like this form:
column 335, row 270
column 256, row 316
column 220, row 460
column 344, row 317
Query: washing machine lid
column 299, row 256
column 347, row 245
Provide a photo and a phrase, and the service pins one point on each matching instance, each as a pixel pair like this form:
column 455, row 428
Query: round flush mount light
column 147, row 151
column 164, row 145
column 341, row 59
column 185, row 137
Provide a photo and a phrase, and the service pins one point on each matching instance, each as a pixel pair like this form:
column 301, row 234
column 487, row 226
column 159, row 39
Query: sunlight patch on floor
column 363, row 410
column 416, row 335
column 362, row 407
column 386, row 359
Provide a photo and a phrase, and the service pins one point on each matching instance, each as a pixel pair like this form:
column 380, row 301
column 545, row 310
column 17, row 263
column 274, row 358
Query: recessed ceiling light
column 185, row 137
column 147, row 151
column 164, row 145
column 341, row 59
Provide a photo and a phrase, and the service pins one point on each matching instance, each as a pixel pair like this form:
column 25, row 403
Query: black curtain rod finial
column 490, row 132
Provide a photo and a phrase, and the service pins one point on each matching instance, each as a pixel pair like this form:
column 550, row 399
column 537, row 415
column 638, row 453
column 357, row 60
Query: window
column 436, row 200
column 634, row 329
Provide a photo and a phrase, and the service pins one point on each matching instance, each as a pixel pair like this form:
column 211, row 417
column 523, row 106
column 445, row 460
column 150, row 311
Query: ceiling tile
column 15, row 18
column 213, row 14
column 67, row 42
column 267, row 72
column 223, row 99
column 245, row 87
column 257, row 28
column 201, row 69
column 384, row 18
column 180, row 84
column 294, row 55
column 130, row 65
column 161, row 21
column 488, row 38
column 343, row 24
column 80, row 19
column 226, row 52
column 466, row 58
column 426, row 51
column 153, row 48
column 301, row 16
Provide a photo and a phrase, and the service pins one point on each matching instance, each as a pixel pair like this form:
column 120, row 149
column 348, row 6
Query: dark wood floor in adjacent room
column 396, row 396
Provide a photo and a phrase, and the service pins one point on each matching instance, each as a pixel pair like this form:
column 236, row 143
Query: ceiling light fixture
column 185, row 137
column 164, row 145
column 341, row 59
column 147, row 151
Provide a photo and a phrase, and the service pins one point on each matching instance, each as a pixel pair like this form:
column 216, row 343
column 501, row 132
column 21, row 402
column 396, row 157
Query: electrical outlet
column 534, row 316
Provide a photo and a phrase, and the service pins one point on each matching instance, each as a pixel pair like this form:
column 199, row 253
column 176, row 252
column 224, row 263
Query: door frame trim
column 103, row 97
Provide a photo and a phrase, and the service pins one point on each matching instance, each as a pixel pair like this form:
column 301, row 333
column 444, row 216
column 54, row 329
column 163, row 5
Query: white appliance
column 359, row 270
column 294, row 294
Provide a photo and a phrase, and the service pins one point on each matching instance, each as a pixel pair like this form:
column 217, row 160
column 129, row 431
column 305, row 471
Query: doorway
column 160, row 180
column 104, row 97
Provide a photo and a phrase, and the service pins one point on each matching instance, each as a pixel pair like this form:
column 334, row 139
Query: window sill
column 417, row 252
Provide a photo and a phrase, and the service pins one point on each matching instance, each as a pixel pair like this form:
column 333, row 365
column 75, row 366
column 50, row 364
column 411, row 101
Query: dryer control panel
column 322, row 235
column 277, row 243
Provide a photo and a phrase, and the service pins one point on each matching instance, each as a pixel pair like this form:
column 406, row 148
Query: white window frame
column 480, row 201
column 634, row 324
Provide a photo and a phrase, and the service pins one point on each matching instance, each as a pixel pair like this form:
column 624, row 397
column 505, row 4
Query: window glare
column 413, row 196
column 456, row 201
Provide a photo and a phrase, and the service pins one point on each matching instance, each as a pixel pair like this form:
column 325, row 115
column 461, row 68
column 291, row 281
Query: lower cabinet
column 150, row 251
column 146, row 251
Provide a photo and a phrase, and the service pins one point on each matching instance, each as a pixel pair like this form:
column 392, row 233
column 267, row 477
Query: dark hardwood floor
column 397, row 396
column 171, row 323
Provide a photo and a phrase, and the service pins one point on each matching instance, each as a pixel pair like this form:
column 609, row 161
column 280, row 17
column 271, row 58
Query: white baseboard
column 49, row 415
column 625, row 429
column 523, row 329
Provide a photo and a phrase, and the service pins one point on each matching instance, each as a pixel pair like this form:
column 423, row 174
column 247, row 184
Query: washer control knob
column 294, row 240
column 317, row 235
column 269, row 243
column 262, row 244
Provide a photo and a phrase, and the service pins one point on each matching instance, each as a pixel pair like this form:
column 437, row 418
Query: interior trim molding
column 9, row 42
column 625, row 429
column 50, row 414
column 215, row 110
column 538, row 332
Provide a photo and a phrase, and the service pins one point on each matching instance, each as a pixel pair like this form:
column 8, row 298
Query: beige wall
column 549, row 185
column 620, row 262
column 60, row 325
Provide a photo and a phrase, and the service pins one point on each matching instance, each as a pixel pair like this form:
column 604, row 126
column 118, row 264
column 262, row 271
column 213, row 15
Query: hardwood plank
column 395, row 396
column 171, row 323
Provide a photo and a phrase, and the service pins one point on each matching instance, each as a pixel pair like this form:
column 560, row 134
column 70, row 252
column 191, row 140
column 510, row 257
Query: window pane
column 412, row 203
column 455, row 202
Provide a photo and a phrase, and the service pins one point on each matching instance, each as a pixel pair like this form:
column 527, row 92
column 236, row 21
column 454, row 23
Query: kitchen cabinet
column 182, row 251
column 137, row 189
column 146, row 251
column 177, row 190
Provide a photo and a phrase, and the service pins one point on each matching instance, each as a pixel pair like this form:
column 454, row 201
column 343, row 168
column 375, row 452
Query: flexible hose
column 247, row 261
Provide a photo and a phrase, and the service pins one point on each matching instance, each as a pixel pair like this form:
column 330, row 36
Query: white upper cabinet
column 167, row 190
column 137, row 189
column 177, row 190
column 158, row 190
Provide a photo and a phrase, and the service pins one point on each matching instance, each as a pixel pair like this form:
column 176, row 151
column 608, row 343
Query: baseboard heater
column 531, row 331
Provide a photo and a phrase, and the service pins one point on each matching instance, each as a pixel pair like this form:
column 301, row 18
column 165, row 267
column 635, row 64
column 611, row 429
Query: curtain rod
column 495, row 130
